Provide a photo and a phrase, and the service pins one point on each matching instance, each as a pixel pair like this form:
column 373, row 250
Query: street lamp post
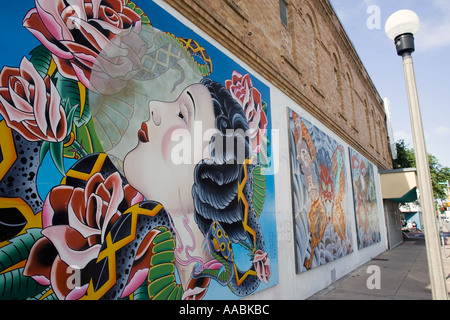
column 401, row 27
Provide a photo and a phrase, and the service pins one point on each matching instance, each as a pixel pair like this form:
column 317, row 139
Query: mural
column 320, row 196
column 135, row 159
column 365, row 200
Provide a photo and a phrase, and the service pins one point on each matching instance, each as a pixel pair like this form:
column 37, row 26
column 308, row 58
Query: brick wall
column 310, row 59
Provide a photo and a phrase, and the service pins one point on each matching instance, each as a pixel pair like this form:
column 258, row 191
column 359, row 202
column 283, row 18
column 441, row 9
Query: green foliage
column 259, row 190
column 406, row 159
column 162, row 283
column 18, row 248
column 57, row 148
column 15, row 286
column 405, row 156
column 439, row 174
column 46, row 295
column 75, row 100
column 70, row 90
column 41, row 59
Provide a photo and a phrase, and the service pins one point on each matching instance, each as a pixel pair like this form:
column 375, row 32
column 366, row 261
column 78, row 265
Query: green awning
column 399, row 185
column 410, row 196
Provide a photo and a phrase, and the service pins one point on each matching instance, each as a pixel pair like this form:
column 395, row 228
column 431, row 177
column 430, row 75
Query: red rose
column 241, row 88
column 31, row 105
column 75, row 221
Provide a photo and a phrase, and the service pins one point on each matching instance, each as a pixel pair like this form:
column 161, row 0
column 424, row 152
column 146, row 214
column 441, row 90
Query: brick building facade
column 310, row 59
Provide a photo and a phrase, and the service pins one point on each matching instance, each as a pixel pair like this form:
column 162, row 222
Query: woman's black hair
column 216, row 180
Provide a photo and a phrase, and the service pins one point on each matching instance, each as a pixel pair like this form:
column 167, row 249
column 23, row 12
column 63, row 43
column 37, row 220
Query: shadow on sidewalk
column 403, row 275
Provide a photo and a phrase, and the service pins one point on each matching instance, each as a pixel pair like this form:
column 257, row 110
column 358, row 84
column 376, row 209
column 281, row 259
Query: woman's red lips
column 143, row 133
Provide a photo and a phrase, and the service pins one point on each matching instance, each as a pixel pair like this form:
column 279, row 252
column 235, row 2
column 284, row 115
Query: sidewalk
column 404, row 276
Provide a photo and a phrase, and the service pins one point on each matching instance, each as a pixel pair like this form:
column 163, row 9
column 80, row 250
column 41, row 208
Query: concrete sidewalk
column 404, row 276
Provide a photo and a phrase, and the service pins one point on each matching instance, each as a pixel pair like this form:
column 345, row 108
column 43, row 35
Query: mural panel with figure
column 320, row 195
column 365, row 200
column 135, row 162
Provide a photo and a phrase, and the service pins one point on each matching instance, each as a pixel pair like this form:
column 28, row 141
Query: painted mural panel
column 135, row 158
column 320, row 195
column 365, row 200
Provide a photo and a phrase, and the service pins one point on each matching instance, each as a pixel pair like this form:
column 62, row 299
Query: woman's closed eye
column 183, row 114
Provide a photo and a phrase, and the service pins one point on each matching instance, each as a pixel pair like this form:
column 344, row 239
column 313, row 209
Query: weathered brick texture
column 311, row 60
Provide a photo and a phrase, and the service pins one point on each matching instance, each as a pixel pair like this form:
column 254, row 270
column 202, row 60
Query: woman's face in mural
column 305, row 160
column 161, row 166
column 304, row 157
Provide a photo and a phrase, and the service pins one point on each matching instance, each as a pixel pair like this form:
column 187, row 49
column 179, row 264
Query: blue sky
column 364, row 21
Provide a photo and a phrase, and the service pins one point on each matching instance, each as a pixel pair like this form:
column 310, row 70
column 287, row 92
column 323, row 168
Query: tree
column 405, row 156
column 406, row 159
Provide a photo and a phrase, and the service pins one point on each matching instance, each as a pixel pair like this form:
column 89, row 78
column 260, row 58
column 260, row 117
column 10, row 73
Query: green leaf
column 70, row 115
column 18, row 249
column 70, row 91
column 57, row 153
column 44, row 149
column 87, row 138
column 259, row 190
column 264, row 106
column 45, row 296
column 161, row 276
column 15, row 286
column 41, row 59
column 141, row 293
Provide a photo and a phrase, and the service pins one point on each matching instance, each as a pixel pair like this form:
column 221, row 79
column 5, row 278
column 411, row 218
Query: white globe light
column 401, row 22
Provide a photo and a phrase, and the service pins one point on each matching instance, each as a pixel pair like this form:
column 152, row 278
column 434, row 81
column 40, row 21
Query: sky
column 364, row 21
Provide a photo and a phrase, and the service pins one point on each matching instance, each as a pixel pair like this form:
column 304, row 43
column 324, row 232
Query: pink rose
column 75, row 222
column 75, row 34
column 31, row 105
column 241, row 88
column 261, row 262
